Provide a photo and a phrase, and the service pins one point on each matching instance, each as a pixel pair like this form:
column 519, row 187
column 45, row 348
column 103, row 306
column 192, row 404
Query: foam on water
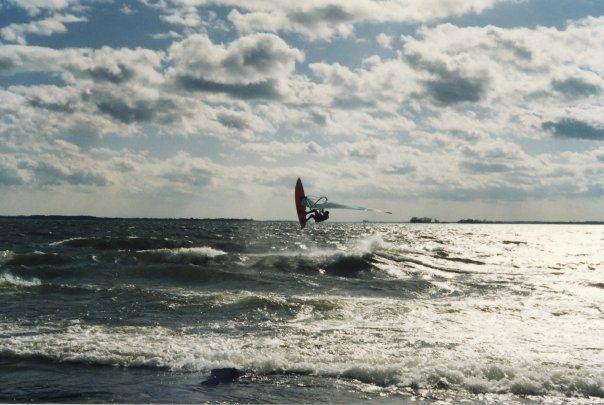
column 178, row 255
column 5, row 255
column 123, row 242
column 7, row 278
column 371, row 244
column 184, row 350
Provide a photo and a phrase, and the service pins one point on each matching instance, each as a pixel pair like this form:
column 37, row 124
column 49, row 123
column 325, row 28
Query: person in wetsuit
column 318, row 215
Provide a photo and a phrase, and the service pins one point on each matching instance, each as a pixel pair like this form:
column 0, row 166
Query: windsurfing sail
column 318, row 203
column 304, row 201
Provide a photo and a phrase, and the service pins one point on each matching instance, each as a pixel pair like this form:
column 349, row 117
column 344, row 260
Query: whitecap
column 10, row 279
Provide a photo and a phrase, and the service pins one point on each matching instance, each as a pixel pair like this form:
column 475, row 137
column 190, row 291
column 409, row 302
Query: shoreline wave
column 160, row 348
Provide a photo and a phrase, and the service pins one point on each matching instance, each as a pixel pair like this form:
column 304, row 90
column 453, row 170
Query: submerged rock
column 222, row 375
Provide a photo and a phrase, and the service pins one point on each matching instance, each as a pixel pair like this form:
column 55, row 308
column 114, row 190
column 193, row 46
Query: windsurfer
column 318, row 215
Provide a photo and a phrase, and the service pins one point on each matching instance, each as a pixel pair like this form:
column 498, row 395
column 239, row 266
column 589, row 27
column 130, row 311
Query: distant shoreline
column 462, row 221
column 93, row 218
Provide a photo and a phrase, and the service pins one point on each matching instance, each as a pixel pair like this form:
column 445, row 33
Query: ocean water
column 142, row 310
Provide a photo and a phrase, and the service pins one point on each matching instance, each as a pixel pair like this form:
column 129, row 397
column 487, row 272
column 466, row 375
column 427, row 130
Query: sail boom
column 323, row 203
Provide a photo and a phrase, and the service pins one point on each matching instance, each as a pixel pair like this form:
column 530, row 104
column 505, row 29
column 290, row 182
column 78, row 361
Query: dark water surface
column 142, row 310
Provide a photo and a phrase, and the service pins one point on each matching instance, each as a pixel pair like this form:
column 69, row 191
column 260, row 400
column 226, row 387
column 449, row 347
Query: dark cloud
column 351, row 102
column 262, row 90
column 560, row 172
column 318, row 118
column 601, row 158
column 232, row 121
column 575, row 87
column 6, row 65
column 104, row 73
column 139, row 112
column 125, row 167
column 51, row 174
column 313, row 147
column 363, row 152
column 258, row 57
column 450, row 87
column 9, row 176
column 485, row 167
column 249, row 67
column 200, row 177
column 333, row 13
column 51, row 105
column 261, row 58
column 128, row 112
column 520, row 51
column 576, row 129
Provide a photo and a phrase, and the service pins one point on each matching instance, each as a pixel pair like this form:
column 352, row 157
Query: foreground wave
column 187, row 350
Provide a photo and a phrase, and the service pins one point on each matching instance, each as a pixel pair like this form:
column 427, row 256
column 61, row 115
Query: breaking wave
column 350, row 261
column 34, row 259
column 130, row 242
column 7, row 279
column 335, row 264
column 184, row 350
column 191, row 255
column 242, row 301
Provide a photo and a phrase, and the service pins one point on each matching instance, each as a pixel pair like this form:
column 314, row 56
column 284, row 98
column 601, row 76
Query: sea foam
column 7, row 278
column 182, row 350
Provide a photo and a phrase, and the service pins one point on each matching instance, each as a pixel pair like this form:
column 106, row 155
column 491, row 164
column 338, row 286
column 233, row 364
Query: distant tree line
column 424, row 220
column 475, row 221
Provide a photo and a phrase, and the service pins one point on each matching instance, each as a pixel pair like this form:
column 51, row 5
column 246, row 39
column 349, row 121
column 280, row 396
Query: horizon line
column 460, row 221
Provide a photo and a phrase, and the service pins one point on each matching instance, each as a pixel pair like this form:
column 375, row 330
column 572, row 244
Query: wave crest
column 337, row 263
column 129, row 243
column 12, row 280
column 35, row 259
column 183, row 349
column 191, row 255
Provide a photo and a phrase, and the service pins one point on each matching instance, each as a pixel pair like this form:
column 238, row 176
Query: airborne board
column 300, row 208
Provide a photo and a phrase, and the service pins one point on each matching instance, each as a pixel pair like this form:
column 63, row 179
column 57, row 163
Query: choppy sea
column 142, row 310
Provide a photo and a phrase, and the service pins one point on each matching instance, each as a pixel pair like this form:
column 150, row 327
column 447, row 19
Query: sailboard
column 300, row 207
column 321, row 203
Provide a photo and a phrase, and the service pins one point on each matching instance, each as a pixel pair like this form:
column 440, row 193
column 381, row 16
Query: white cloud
column 73, row 64
column 385, row 41
column 126, row 9
column 253, row 66
column 324, row 19
column 46, row 27
column 249, row 59
column 166, row 35
column 35, row 7
column 509, row 56
column 383, row 85
column 315, row 19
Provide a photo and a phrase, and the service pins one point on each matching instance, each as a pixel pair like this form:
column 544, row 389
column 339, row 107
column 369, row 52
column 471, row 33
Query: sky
column 450, row 109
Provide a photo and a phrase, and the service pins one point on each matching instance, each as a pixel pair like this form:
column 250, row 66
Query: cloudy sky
column 201, row 108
